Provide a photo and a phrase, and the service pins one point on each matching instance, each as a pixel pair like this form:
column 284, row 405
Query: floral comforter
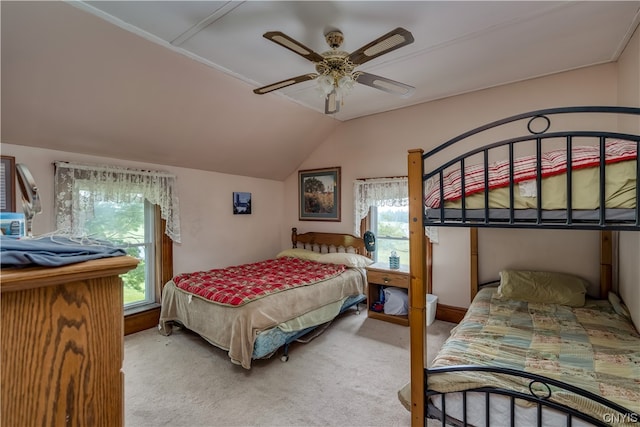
column 591, row 347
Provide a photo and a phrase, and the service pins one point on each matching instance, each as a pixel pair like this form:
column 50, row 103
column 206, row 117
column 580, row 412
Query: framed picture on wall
column 8, row 184
column 241, row 203
column 319, row 194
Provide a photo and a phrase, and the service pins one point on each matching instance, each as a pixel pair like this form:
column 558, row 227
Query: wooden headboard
column 328, row 242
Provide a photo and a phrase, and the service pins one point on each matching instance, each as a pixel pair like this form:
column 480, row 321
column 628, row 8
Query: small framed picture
column 241, row 203
column 319, row 194
column 8, row 184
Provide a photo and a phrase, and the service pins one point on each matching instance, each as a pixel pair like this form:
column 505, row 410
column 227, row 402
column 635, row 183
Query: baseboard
column 149, row 319
column 141, row 320
column 449, row 313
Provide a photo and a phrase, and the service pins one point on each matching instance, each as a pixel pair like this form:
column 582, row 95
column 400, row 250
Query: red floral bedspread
column 525, row 168
column 241, row 284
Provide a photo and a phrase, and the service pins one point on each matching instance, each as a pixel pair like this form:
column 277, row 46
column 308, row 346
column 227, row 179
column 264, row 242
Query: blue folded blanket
column 53, row 251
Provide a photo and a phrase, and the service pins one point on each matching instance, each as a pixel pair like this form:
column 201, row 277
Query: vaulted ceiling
column 172, row 82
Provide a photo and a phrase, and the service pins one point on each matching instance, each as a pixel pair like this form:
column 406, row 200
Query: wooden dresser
column 62, row 344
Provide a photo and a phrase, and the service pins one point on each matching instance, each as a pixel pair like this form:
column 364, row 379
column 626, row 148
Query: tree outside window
column 390, row 224
column 127, row 225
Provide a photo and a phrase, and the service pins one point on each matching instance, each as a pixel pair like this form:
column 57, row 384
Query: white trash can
column 432, row 305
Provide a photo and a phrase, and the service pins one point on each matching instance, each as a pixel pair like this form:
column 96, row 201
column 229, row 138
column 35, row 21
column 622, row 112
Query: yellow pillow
column 300, row 253
column 344, row 258
column 543, row 287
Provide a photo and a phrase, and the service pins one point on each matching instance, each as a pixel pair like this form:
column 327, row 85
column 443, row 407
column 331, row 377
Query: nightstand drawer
column 388, row 278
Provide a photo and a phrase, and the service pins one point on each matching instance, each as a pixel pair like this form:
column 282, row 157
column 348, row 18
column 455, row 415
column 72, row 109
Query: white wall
column 502, row 248
column 377, row 146
column 211, row 235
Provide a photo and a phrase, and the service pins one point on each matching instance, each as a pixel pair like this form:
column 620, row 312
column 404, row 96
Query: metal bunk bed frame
column 419, row 219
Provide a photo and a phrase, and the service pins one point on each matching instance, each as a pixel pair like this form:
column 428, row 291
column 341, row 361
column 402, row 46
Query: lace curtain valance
column 112, row 184
column 382, row 192
column 377, row 192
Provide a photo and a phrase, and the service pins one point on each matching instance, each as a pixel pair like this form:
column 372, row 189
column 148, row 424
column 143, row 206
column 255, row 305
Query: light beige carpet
column 348, row 376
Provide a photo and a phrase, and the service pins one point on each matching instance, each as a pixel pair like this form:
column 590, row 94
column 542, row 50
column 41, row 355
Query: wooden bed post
column 429, row 279
column 606, row 263
column 294, row 237
column 417, row 303
column 473, row 240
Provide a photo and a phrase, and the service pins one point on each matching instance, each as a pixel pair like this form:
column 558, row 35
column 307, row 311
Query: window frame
column 370, row 221
column 150, row 247
column 148, row 316
column 162, row 263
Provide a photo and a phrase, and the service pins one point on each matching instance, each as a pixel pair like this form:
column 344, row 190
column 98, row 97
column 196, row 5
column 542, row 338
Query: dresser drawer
column 388, row 278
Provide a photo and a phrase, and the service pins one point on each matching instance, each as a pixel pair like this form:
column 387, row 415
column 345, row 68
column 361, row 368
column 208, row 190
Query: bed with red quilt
column 252, row 310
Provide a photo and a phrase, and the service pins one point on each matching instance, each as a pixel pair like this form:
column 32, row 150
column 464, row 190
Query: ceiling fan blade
column 385, row 84
column 293, row 45
column 331, row 103
column 284, row 83
column 391, row 41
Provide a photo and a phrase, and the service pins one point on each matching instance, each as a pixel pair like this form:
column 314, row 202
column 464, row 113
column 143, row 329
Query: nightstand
column 379, row 274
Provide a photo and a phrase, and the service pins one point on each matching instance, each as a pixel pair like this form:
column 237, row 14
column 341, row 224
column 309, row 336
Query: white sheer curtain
column 377, row 192
column 112, row 184
column 382, row 192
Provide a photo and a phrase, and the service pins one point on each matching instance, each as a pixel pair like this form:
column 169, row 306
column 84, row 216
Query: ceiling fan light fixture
column 335, row 86
column 335, row 76
column 346, row 83
column 325, row 85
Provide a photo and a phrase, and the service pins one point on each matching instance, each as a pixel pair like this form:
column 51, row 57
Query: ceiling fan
column 335, row 72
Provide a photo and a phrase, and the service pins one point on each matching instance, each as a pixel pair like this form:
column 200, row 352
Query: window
column 133, row 209
column 381, row 205
column 390, row 224
column 129, row 225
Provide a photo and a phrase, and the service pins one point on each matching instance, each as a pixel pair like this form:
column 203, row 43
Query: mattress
column 500, row 412
column 620, row 191
column 620, row 199
column 270, row 340
column 235, row 329
column 591, row 347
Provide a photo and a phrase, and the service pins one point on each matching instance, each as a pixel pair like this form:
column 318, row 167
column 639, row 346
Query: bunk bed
column 253, row 310
column 563, row 171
